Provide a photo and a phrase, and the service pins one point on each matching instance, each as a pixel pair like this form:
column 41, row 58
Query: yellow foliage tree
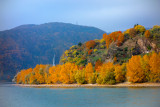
column 120, row 73
column 154, row 67
column 54, row 74
column 88, row 71
column 106, row 73
column 140, row 28
column 145, row 65
column 135, row 72
column 32, row 78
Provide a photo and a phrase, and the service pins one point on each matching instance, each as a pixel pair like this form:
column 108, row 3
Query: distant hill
column 27, row 45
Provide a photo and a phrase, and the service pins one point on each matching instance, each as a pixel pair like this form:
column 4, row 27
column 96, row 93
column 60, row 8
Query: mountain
column 27, row 45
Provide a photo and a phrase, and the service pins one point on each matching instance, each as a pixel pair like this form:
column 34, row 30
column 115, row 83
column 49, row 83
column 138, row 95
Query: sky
column 108, row 15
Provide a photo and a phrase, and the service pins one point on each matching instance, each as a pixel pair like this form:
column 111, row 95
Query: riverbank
column 126, row 84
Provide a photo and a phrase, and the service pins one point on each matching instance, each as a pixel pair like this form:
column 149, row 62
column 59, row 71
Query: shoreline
column 120, row 85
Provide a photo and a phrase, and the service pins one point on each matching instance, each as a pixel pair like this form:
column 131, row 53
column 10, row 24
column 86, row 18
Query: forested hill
column 27, row 45
column 129, row 56
column 117, row 47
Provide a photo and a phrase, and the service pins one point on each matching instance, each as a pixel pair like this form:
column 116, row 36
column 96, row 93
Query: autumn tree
column 135, row 72
column 139, row 28
column 154, row 63
column 108, row 41
column 67, row 73
column 145, row 65
column 40, row 77
column 88, row 71
column 80, row 76
column 32, row 79
column 93, row 78
column 104, row 36
column 120, row 73
column 120, row 39
column 90, row 44
column 54, row 73
column 106, row 74
column 126, row 32
column 147, row 34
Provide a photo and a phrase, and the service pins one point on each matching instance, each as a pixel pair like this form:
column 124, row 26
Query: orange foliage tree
column 154, row 63
column 114, row 36
column 135, row 72
column 147, row 34
column 21, row 77
column 90, row 44
column 88, row 71
column 104, row 36
column 108, row 41
column 120, row 39
column 54, row 73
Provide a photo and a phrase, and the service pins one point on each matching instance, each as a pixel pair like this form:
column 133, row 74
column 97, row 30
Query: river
column 14, row 96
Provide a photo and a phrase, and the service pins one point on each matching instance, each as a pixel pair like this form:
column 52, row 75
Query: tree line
column 138, row 69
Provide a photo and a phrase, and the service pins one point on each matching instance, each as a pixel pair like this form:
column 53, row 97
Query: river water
column 14, row 96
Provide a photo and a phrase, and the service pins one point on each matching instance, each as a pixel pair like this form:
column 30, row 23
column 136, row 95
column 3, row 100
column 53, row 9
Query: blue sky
column 108, row 15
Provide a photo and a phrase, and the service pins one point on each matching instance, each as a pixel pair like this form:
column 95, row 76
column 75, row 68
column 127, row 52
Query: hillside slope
column 27, row 45
column 116, row 47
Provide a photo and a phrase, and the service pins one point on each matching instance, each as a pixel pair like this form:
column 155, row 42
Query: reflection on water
column 12, row 96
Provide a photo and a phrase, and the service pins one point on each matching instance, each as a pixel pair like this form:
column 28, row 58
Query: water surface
column 13, row 96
